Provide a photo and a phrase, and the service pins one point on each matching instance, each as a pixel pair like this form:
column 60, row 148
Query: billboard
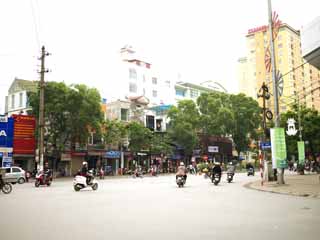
column 24, row 134
column 6, row 132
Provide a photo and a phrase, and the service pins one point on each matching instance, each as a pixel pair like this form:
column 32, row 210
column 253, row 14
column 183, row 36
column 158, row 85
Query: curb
column 249, row 186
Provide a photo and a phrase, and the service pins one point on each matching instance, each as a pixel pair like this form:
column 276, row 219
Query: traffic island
column 297, row 185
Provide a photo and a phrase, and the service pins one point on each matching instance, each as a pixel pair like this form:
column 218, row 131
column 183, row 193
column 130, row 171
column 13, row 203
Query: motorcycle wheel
column 229, row 180
column 49, row 183
column 76, row 188
column 6, row 188
column 37, row 183
column 95, row 186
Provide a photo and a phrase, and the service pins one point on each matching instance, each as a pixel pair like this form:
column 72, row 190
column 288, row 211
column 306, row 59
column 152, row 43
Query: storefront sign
column 6, row 133
column 6, row 161
column 278, row 148
column 112, row 154
column 24, row 134
column 301, row 152
column 3, row 119
column 213, row 149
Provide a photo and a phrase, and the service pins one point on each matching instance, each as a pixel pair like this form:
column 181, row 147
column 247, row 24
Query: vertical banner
column 301, row 152
column 278, row 148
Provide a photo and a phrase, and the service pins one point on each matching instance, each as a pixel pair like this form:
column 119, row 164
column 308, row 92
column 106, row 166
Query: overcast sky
column 200, row 39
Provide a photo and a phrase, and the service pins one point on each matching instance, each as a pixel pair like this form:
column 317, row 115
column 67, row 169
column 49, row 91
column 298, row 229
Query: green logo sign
column 278, row 148
column 301, row 152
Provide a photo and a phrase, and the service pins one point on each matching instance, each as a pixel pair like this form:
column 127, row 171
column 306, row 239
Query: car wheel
column 21, row 180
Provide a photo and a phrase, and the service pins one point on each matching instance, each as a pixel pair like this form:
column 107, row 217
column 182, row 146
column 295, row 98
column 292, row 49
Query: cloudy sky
column 198, row 39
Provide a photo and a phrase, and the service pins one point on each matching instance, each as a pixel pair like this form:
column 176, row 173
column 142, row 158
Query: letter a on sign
column 3, row 133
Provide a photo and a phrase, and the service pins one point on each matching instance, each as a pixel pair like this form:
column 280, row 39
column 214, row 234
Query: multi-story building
column 17, row 100
column 298, row 78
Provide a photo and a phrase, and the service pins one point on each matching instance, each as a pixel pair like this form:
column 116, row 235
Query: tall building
column 298, row 80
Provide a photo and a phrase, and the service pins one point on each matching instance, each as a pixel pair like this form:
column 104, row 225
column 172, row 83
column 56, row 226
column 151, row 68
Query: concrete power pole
column 274, row 83
column 41, row 107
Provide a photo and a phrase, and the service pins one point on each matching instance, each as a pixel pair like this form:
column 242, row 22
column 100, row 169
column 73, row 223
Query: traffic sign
column 265, row 145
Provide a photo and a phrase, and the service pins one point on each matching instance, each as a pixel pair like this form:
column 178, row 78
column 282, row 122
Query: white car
column 15, row 175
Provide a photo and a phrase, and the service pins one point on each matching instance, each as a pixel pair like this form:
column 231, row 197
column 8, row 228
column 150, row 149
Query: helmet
column 217, row 163
column 84, row 163
column 181, row 164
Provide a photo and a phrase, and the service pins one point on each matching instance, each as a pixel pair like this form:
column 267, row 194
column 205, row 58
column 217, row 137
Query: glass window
column 16, row 170
column 132, row 73
column 20, row 99
column 280, row 45
column 124, row 114
column 180, row 92
column 133, row 87
column 154, row 80
column 154, row 93
column 194, row 93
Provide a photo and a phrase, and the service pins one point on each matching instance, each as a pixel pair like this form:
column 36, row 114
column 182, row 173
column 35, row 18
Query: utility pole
column 41, row 108
column 274, row 83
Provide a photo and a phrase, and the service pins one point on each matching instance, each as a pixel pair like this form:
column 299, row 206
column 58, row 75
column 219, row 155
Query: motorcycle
column 5, row 187
column 180, row 181
column 251, row 171
column 230, row 177
column 43, row 178
column 80, row 182
column 215, row 178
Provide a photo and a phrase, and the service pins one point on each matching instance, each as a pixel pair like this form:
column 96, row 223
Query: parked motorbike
column 230, row 177
column 43, row 178
column 215, row 179
column 251, row 171
column 80, row 182
column 5, row 187
column 180, row 181
column 137, row 174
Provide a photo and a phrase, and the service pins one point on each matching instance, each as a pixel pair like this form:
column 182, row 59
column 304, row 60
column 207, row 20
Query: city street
column 155, row 208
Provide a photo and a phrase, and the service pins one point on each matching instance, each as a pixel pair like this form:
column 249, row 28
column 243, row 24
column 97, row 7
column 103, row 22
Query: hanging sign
column 278, row 148
column 291, row 130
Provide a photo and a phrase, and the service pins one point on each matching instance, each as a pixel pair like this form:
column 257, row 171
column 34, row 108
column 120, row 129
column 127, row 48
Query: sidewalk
column 298, row 185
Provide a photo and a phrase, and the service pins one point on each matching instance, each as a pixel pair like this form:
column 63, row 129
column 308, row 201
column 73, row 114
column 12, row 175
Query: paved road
column 154, row 208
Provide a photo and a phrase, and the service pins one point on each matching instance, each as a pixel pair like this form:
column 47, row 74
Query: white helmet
column 84, row 163
column 181, row 164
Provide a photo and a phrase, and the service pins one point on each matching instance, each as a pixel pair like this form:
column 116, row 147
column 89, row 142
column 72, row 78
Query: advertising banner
column 278, row 148
column 301, row 152
column 6, row 161
column 24, row 134
column 6, row 132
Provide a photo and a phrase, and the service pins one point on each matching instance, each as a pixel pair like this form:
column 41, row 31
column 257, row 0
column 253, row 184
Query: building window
column 154, row 93
column 180, row 92
column 143, row 78
column 12, row 101
column 133, row 87
column 194, row 93
column 154, row 80
column 279, row 37
column 20, row 99
column 150, row 122
column 132, row 73
column 124, row 114
column 280, row 45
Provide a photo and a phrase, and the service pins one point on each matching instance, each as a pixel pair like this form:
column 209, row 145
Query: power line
column 35, row 24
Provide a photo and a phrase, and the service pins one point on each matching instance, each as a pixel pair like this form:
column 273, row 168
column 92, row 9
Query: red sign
column 24, row 134
column 258, row 29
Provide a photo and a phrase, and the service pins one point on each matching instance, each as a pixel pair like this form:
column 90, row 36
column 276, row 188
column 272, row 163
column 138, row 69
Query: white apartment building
column 17, row 100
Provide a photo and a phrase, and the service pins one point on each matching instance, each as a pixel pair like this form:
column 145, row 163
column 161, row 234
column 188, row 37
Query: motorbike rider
column 46, row 171
column 182, row 171
column 84, row 172
column 231, row 168
column 217, row 169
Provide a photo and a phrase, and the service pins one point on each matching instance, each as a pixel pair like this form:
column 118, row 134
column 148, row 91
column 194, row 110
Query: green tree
column 184, row 122
column 114, row 131
column 69, row 113
column 310, row 120
column 139, row 137
column 246, row 116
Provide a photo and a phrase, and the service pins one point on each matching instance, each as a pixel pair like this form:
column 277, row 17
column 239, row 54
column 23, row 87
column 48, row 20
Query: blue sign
column 7, row 162
column 112, row 154
column 6, row 132
column 265, row 145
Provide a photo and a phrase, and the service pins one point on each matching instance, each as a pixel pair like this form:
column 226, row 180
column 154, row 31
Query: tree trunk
column 280, row 176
